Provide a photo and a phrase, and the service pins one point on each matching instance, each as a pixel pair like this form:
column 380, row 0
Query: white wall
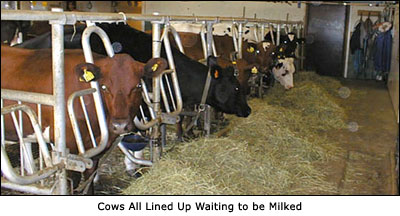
column 267, row 10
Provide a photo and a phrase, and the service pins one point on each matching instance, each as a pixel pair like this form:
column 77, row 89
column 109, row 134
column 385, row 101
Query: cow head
column 119, row 79
column 260, row 54
column 283, row 72
column 225, row 93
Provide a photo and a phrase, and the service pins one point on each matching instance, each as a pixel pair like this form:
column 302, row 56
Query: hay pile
column 273, row 151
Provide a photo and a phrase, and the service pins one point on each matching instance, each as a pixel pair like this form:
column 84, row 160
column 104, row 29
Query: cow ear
column 87, row 72
column 251, row 47
column 154, row 67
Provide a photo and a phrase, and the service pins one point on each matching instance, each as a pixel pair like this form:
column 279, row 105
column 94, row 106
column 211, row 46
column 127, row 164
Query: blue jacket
column 383, row 51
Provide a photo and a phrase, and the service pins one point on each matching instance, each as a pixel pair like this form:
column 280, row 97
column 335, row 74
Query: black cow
column 10, row 28
column 287, row 45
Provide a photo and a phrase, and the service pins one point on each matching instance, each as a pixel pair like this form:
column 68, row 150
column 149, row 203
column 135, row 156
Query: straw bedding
column 273, row 151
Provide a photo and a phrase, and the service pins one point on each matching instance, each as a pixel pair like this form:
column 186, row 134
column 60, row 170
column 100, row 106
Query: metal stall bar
column 235, row 41
column 262, row 32
column 155, row 136
column 302, row 57
column 6, row 167
column 278, row 35
column 207, row 111
column 179, row 104
column 271, row 32
column 110, row 17
column 3, row 129
column 74, row 121
column 177, row 38
column 204, row 42
column 94, row 84
column 240, row 40
column 57, row 33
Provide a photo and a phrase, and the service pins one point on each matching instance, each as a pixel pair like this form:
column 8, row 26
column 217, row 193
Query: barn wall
column 393, row 82
column 267, row 10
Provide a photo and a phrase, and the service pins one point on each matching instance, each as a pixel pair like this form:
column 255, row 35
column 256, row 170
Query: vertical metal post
column 57, row 31
column 278, row 35
column 3, row 129
column 271, row 32
column 240, row 40
column 234, row 30
column 203, row 41
column 207, row 114
column 262, row 32
column 302, row 49
column 209, row 39
column 298, row 48
column 155, row 136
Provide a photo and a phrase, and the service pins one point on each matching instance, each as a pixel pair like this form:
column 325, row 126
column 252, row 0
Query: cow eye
column 258, row 51
column 236, row 89
column 104, row 88
column 137, row 88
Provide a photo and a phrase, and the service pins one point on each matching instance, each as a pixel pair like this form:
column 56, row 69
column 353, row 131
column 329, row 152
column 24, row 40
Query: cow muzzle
column 120, row 126
column 244, row 112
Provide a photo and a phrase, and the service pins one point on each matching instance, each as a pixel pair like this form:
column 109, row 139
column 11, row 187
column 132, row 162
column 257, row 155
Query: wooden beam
column 367, row 13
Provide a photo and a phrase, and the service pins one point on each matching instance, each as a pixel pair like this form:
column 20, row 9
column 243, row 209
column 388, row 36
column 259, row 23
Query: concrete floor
column 366, row 165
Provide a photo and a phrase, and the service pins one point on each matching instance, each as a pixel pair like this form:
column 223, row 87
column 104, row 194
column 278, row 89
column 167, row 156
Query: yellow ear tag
column 154, row 68
column 87, row 75
column 281, row 49
column 216, row 74
column 254, row 70
column 250, row 49
column 233, row 62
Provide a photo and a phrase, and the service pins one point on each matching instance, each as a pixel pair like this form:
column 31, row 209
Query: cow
column 284, row 68
column 119, row 78
column 283, row 72
column 10, row 30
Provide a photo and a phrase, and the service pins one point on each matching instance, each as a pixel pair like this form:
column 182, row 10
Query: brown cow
column 254, row 55
column 119, row 77
column 259, row 53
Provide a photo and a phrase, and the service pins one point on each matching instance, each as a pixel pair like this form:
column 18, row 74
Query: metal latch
column 73, row 162
column 169, row 119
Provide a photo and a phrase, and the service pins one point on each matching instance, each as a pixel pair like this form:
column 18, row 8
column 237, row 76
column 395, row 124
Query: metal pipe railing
column 134, row 159
column 6, row 166
column 72, row 17
column 29, row 97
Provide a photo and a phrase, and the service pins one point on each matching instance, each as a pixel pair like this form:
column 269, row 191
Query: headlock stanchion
column 95, row 91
